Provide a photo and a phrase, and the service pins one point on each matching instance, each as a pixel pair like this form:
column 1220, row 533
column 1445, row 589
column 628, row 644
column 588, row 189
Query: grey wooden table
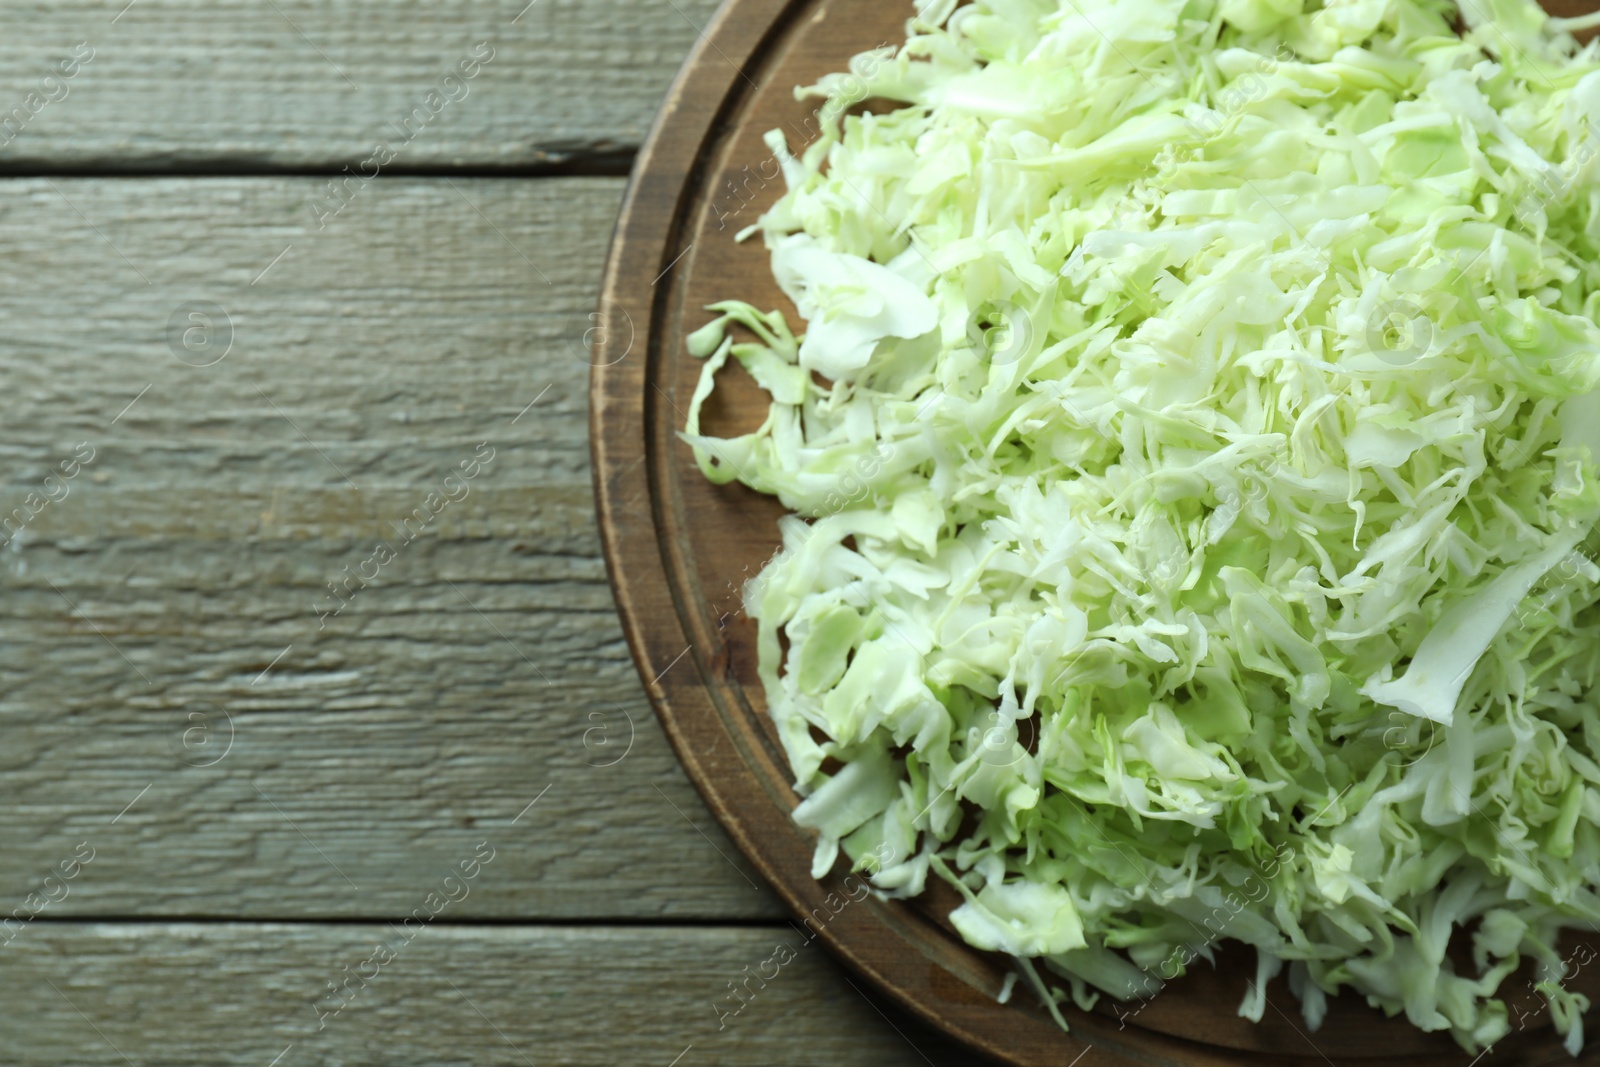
column 319, row 742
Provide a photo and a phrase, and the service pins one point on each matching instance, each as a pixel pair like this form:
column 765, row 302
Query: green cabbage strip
column 1192, row 451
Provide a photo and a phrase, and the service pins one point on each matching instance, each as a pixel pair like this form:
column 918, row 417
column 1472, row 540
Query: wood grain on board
column 482, row 664
column 250, row 85
column 196, row 995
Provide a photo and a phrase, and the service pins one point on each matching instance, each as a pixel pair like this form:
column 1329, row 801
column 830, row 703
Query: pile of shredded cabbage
column 1192, row 445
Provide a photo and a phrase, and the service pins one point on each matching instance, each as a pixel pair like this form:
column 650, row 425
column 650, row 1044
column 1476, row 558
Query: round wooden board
column 679, row 550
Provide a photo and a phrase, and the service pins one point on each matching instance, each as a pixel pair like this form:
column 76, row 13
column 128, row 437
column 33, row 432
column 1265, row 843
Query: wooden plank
column 208, row 994
column 183, row 569
column 251, row 84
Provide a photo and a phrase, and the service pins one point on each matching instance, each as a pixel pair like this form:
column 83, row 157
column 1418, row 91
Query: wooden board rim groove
column 649, row 576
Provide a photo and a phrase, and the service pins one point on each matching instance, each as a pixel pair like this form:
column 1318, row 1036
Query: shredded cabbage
column 1192, row 446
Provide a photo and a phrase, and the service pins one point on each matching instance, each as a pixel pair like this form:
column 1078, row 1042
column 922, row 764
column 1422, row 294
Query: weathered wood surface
column 250, row 84
column 207, row 994
column 483, row 664
column 165, row 597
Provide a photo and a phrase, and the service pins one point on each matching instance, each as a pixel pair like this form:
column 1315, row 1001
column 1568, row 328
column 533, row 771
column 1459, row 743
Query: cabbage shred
column 1215, row 386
